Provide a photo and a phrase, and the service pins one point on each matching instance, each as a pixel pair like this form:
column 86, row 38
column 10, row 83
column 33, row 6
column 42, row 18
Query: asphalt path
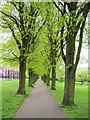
column 40, row 104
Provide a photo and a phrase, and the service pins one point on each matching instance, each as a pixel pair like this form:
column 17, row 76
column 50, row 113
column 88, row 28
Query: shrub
column 82, row 76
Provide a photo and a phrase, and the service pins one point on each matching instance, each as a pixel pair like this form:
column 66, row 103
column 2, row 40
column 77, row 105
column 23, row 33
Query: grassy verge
column 10, row 101
column 0, row 100
column 81, row 99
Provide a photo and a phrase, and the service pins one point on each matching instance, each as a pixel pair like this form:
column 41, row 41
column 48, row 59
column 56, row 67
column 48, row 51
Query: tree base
column 30, row 86
column 53, row 88
column 34, row 83
column 69, row 103
column 21, row 92
column 48, row 84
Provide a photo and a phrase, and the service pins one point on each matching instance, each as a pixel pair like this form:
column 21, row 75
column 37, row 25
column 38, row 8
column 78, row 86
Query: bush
column 82, row 76
column 61, row 75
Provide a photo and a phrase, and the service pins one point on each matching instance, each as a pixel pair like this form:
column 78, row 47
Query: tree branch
column 57, row 7
column 85, row 11
column 11, row 59
column 80, row 44
column 39, row 29
column 15, row 55
column 13, row 3
column 13, row 18
column 12, row 30
column 61, row 42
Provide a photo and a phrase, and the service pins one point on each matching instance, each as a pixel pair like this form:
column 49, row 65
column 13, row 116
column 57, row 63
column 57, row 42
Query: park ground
column 13, row 102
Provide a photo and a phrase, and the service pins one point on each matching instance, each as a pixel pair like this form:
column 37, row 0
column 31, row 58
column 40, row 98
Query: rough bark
column 44, row 78
column 69, row 88
column 22, row 76
column 48, row 78
column 35, row 77
column 32, row 77
column 30, row 74
column 53, row 84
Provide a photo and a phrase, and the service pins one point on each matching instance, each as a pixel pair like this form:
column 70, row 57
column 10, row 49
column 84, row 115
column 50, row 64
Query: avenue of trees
column 41, row 34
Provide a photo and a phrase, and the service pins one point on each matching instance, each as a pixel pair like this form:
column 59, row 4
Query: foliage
column 24, row 27
column 82, row 76
column 60, row 71
column 41, row 49
column 38, row 59
column 9, row 53
column 24, row 23
column 11, row 101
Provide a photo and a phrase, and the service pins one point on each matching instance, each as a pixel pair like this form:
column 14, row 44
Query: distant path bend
column 40, row 104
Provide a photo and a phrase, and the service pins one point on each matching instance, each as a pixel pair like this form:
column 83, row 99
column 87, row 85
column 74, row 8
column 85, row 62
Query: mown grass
column 0, row 101
column 10, row 100
column 81, row 99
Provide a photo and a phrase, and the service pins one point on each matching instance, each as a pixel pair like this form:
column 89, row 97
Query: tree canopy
column 41, row 33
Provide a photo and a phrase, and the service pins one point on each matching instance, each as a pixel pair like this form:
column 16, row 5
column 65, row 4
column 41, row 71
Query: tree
column 37, row 25
column 37, row 60
column 53, row 35
column 72, row 12
column 20, row 25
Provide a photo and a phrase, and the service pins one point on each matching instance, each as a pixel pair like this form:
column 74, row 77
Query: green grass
column 81, row 99
column 0, row 101
column 10, row 101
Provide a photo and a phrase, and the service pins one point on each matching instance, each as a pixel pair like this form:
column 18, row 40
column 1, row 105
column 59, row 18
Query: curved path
column 40, row 104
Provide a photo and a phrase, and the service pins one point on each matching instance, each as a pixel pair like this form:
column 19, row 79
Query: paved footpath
column 40, row 104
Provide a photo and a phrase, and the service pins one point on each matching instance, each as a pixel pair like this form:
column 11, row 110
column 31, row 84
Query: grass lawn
column 81, row 99
column 0, row 101
column 10, row 101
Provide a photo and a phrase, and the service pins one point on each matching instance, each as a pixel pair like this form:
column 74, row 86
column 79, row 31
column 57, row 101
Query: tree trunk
column 22, row 76
column 69, row 88
column 30, row 74
column 35, row 77
column 53, row 84
column 32, row 77
column 44, row 78
column 48, row 78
